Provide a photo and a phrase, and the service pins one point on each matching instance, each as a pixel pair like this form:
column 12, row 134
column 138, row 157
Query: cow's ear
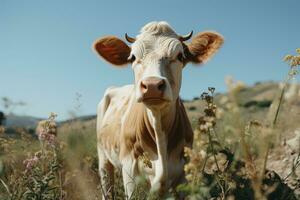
column 202, row 47
column 113, row 50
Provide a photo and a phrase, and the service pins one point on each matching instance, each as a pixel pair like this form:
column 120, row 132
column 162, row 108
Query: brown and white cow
column 148, row 117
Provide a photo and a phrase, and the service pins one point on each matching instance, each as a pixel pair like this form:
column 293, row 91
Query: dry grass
column 240, row 138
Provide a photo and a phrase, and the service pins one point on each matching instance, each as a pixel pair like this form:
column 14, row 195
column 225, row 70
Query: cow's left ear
column 113, row 50
column 202, row 47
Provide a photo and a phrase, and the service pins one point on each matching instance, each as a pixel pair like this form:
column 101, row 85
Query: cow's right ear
column 113, row 50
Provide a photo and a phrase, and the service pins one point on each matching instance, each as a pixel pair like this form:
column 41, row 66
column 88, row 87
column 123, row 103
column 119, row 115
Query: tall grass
column 229, row 158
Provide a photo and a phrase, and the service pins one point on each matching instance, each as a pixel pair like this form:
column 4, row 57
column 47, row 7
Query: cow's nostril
column 143, row 86
column 161, row 85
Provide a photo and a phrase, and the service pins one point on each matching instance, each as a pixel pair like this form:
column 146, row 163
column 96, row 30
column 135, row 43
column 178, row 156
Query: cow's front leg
column 129, row 172
column 106, row 171
column 159, row 183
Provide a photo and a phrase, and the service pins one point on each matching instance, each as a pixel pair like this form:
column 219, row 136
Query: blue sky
column 46, row 56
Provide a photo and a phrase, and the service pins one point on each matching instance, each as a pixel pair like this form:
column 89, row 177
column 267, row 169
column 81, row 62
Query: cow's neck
column 156, row 132
column 164, row 117
column 161, row 121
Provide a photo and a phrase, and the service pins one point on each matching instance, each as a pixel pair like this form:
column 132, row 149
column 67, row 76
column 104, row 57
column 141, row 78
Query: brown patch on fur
column 109, row 135
column 181, row 129
column 138, row 133
column 202, row 47
column 113, row 50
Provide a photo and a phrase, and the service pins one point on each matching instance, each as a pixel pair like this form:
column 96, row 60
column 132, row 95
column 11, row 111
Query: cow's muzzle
column 152, row 90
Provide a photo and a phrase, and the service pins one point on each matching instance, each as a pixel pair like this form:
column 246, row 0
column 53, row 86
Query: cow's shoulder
column 115, row 97
column 109, row 114
column 119, row 94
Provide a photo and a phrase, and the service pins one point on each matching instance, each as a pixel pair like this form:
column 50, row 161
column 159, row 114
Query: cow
column 147, row 119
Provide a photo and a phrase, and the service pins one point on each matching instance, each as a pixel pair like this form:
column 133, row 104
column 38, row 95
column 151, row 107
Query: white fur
column 155, row 48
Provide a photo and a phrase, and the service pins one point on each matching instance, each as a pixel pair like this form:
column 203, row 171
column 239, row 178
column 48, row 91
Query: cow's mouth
column 154, row 101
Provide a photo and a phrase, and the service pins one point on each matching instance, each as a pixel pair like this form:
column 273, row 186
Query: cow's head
column 157, row 56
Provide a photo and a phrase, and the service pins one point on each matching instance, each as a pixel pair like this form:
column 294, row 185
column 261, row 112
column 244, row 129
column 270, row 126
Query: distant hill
column 30, row 122
column 81, row 119
column 21, row 121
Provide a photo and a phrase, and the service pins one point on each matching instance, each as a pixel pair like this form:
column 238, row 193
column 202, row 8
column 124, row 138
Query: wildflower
column 47, row 130
column 287, row 58
column 208, row 121
column 50, row 139
column 31, row 162
column 211, row 89
column 189, row 177
column 191, row 168
column 187, row 151
column 204, row 95
column 255, row 123
column 293, row 61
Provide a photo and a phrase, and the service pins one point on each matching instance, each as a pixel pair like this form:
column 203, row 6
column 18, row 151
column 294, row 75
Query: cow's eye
column 132, row 58
column 180, row 57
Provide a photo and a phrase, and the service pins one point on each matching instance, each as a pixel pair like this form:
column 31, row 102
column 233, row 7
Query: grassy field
column 246, row 146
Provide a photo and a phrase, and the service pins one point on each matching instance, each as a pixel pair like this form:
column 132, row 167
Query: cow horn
column 129, row 39
column 185, row 37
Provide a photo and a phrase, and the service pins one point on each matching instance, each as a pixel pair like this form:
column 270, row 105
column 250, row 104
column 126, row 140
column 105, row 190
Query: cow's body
column 125, row 133
column 147, row 120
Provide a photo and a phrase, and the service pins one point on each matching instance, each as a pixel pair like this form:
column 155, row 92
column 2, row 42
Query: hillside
column 21, row 121
column 246, row 112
